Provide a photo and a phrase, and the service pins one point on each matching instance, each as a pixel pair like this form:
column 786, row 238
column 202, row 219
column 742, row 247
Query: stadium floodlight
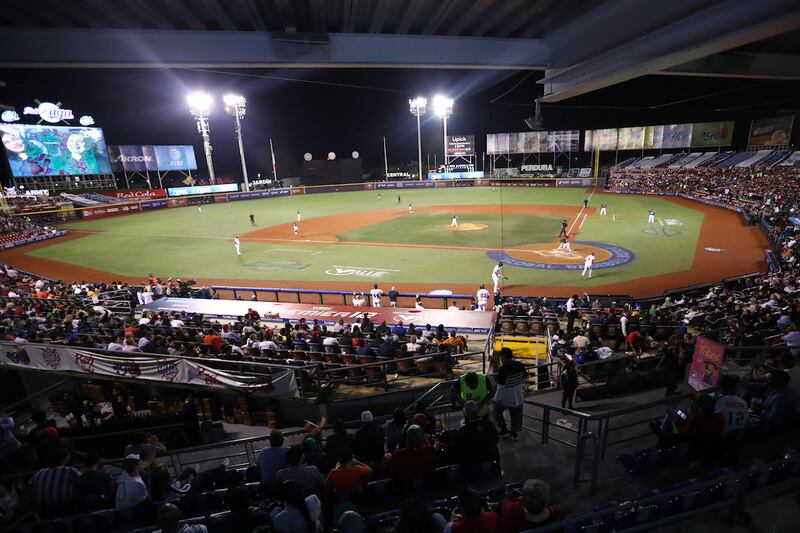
column 443, row 107
column 200, row 107
column 236, row 106
column 417, row 107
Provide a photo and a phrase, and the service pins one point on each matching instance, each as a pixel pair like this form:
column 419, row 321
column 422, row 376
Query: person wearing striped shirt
column 54, row 485
column 511, row 383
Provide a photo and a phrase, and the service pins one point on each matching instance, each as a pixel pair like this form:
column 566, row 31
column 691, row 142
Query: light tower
column 417, row 107
column 200, row 107
column 443, row 107
column 235, row 106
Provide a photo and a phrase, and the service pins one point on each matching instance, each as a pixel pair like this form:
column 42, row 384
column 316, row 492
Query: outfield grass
column 182, row 242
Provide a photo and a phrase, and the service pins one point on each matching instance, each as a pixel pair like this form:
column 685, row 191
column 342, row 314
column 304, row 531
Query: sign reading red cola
column 138, row 194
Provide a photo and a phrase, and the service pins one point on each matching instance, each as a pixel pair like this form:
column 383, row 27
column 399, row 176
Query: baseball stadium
column 383, row 267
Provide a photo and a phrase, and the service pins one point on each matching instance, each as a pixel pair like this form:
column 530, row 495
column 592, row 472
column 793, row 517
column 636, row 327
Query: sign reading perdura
column 460, row 145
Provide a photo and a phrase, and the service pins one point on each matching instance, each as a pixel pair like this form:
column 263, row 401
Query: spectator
column 703, row 430
column 168, row 519
column 569, row 383
column 299, row 514
column 241, row 516
column 731, row 408
column 351, row 522
column 54, row 486
column 337, row 442
column 272, row 459
column 93, row 486
column 531, row 509
column 8, row 442
column 348, row 475
column 780, row 405
column 314, row 456
column 394, row 429
column 131, row 490
column 475, row 442
column 416, row 460
column 369, row 441
column 307, row 478
column 511, row 382
column 416, row 517
column 670, row 366
column 473, row 518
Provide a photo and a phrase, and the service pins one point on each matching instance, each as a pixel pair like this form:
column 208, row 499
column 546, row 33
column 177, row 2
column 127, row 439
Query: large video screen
column 770, row 131
column 137, row 158
column 34, row 150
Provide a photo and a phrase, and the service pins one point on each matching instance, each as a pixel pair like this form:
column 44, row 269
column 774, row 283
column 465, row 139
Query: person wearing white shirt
column 358, row 300
column 267, row 344
column 792, row 340
column 375, row 296
column 176, row 322
column 115, row 345
column 497, row 275
column 412, row 345
column 732, row 408
column 131, row 490
column 130, row 345
column 588, row 263
column 330, row 344
column 572, row 312
column 483, row 298
column 147, row 296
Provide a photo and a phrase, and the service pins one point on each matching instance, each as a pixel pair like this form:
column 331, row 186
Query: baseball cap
column 420, row 419
column 414, row 434
column 276, row 438
column 310, row 444
column 366, row 416
column 130, row 462
column 48, row 433
column 470, row 409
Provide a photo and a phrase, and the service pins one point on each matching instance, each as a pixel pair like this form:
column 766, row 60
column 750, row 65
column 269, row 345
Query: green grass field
column 184, row 243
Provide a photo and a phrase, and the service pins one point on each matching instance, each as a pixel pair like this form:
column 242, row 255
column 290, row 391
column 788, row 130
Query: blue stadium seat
column 446, row 475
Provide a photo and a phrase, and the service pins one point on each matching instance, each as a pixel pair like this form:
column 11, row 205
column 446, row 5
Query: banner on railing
column 706, row 363
column 166, row 370
column 120, row 209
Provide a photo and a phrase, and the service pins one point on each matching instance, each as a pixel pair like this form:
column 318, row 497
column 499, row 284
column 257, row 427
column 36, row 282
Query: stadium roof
column 580, row 45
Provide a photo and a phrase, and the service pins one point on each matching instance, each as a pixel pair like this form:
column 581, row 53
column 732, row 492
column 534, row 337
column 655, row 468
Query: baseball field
column 350, row 240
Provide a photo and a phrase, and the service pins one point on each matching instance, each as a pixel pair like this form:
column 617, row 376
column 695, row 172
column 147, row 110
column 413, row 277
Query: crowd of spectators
column 18, row 229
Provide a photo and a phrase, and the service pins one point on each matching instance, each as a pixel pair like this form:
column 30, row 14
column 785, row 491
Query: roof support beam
column 735, row 64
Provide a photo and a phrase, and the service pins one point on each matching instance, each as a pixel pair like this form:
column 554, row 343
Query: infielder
column 375, row 296
column 252, row 219
column 296, row 228
column 497, row 275
column 398, row 199
column 237, row 244
column 379, row 197
column 603, row 209
column 199, row 208
column 652, row 218
column 483, row 298
column 454, row 221
column 410, row 209
column 588, row 263
column 299, row 216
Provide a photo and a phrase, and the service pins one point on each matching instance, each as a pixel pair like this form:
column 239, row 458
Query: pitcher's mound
column 467, row 226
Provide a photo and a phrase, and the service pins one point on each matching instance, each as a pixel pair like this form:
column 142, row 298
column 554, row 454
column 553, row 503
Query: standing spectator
column 473, row 518
column 300, row 514
column 416, row 460
column 131, row 490
column 394, row 429
column 307, row 478
column 54, row 486
column 369, row 441
column 348, row 475
column 393, row 294
column 670, row 367
column 337, row 442
column 475, row 442
column 511, row 382
column 272, row 459
column 93, row 486
column 531, row 509
column 569, row 383
column 572, row 312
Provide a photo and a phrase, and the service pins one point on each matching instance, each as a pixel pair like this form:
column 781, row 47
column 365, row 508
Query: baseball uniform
column 497, row 273
column 588, row 263
column 483, row 299
column 652, row 218
column 454, row 221
column 603, row 209
column 375, row 295
column 236, row 245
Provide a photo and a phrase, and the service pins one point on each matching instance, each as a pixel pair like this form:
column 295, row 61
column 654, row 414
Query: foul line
column 582, row 221
column 365, row 268
column 290, row 250
column 581, row 211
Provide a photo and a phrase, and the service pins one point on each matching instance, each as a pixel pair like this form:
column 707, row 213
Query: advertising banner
column 52, row 358
column 34, row 150
column 653, row 136
column 791, row 161
column 707, row 360
column 203, row 189
column 200, row 200
column 574, row 182
column 631, row 138
column 460, row 145
column 153, row 204
column 455, row 175
column 603, row 140
column 676, row 136
column 563, row 140
column 770, row 131
column 258, row 194
column 502, row 143
column 142, row 158
column 712, row 133
column 137, row 194
column 98, row 212
column 177, row 202
column 404, row 184
column 175, row 157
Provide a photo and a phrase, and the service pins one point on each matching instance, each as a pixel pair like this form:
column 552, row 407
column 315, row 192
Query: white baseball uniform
column 199, row 208
column 298, row 215
column 588, row 263
column 410, row 208
column 454, row 222
column 483, row 299
column 603, row 209
column 236, row 245
column 652, row 218
column 375, row 296
column 497, row 274
column 296, row 228
column 358, row 300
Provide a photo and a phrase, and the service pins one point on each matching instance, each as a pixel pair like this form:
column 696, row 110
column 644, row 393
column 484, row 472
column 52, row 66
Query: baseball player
column 603, row 209
column 565, row 246
column 398, row 199
column 454, row 221
column 563, row 227
column 199, row 208
column 252, row 219
column 358, row 300
column 483, row 298
column 375, row 296
column 379, row 197
column 410, row 209
column 652, row 218
column 299, row 216
column 497, row 275
column 585, row 203
column 588, row 263
column 237, row 244
column 296, row 228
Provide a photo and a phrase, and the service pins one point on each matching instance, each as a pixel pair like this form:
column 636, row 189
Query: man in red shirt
column 472, row 518
column 704, row 430
column 416, row 461
column 531, row 509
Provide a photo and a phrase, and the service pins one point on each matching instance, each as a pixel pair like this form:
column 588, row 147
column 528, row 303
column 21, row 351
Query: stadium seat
column 521, row 326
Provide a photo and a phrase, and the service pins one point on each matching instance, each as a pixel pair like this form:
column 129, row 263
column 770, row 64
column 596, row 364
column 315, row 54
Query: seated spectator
column 169, row 518
column 416, row 460
column 731, row 408
column 337, row 442
column 307, row 478
column 348, row 475
column 473, row 518
column 314, row 456
column 393, row 429
column 351, row 522
column 530, row 509
column 369, row 441
column 703, row 430
column 8, row 442
column 241, row 516
column 54, row 486
column 416, row 517
column 272, row 459
column 779, row 406
column 183, row 484
column 299, row 513
column 475, row 442
column 160, row 485
column 131, row 490
column 93, row 486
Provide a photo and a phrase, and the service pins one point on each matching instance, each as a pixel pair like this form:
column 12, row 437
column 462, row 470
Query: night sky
column 342, row 110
